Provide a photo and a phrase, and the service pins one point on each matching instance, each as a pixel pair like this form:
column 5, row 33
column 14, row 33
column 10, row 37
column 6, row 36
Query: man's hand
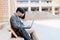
column 27, row 27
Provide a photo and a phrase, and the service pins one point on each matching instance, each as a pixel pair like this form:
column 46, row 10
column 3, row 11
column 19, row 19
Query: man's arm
column 14, row 23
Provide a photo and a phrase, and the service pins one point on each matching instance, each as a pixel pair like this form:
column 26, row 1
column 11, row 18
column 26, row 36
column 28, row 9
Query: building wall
column 4, row 7
column 12, row 6
column 56, row 3
column 29, row 5
column 4, row 15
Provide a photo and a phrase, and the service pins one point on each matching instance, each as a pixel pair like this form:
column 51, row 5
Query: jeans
column 24, row 34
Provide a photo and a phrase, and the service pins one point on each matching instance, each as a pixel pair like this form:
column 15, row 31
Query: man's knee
column 33, row 30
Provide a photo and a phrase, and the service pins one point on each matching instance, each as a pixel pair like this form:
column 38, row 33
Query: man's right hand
column 28, row 27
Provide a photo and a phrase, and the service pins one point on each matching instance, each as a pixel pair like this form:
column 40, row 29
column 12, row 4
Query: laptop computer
column 30, row 25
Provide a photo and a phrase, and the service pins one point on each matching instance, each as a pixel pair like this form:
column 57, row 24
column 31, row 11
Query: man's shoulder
column 13, row 16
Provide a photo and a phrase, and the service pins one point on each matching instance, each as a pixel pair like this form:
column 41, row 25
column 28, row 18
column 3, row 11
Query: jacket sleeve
column 14, row 23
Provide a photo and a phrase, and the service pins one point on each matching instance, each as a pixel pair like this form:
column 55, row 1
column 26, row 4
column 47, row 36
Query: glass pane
column 47, row 9
column 35, row 1
column 34, row 8
column 56, row 8
column 44, row 9
column 22, row 1
column 57, row 11
column 46, row 1
column 26, row 8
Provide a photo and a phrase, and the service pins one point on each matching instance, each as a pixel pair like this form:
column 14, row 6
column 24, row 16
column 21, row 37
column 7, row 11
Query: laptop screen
column 30, row 23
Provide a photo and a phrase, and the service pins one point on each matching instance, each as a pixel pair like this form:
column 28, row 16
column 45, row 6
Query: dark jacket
column 16, row 22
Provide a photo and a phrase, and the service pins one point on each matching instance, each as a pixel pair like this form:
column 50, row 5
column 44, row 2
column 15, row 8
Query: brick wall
column 4, row 15
column 12, row 6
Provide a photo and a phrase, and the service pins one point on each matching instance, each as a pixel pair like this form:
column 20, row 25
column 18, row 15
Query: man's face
column 20, row 14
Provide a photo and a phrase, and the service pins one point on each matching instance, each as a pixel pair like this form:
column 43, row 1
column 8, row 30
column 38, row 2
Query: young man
column 18, row 26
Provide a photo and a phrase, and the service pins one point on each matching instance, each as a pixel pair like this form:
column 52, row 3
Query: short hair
column 22, row 10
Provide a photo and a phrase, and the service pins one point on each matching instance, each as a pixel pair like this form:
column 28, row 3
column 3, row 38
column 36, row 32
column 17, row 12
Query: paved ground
column 47, row 29
column 4, row 33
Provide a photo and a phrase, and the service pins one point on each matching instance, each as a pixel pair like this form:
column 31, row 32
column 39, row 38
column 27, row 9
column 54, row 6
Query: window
column 26, row 8
column 44, row 9
column 22, row 1
column 47, row 9
column 46, row 1
column 57, row 10
column 34, row 8
column 34, row 1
